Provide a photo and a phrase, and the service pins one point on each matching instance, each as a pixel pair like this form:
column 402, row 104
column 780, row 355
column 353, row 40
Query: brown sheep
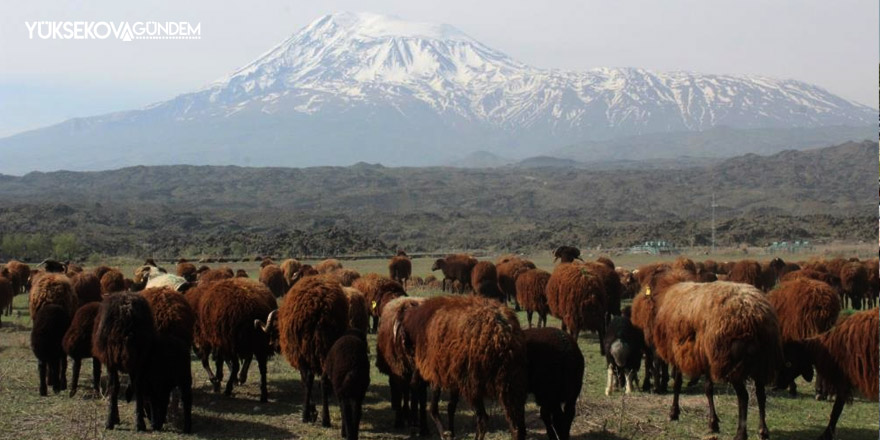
column 456, row 267
column 629, row 283
column 265, row 262
column 378, row 290
column 644, row 312
column 200, row 345
column 272, row 276
column 394, row 360
column 87, row 287
column 358, row 309
column 531, row 294
column 346, row 277
column 556, row 374
column 400, row 269
column 473, row 348
column 846, row 359
column 52, row 288
column 19, row 273
column 122, row 340
column 854, row 283
column 226, row 315
column 77, row 343
column 187, row 270
column 484, row 281
column 567, row 254
column 112, row 282
column 509, row 269
column 710, row 266
column 576, row 295
column 347, row 373
column 6, row 295
column 49, row 325
column 241, row 273
column 825, row 277
column 172, row 313
column 211, row 275
column 328, row 265
column 313, row 316
column 290, row 266
column 804, row 308
column 873, row 268
column 726, row 330
column 747, row 272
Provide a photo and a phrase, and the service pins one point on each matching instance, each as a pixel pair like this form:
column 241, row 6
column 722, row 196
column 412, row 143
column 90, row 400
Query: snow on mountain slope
column 359, row 86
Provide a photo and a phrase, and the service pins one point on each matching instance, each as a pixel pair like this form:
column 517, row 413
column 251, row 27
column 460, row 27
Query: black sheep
column 50, row 324
column 169, row 368
column 77, row 344
column 347, row 369
column 556, row 373
column 624, row 345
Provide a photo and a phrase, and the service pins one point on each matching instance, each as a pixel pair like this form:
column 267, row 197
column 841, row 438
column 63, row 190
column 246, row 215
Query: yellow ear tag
column 374, row 305
column 648, row 291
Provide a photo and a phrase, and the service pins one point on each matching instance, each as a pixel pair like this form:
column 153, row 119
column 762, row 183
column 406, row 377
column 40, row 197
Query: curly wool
column 804, row 307
column 313, row 316
column 52, row 288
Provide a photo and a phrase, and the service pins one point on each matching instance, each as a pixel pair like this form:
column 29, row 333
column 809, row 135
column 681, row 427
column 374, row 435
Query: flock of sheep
column 717, row 322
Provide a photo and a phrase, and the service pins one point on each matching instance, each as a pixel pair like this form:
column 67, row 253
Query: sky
column 834, row 44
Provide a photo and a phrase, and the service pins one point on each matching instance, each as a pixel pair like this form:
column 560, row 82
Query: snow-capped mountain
column 364, row 87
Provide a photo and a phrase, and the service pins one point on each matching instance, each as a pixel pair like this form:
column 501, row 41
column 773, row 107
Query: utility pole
column 713, row 222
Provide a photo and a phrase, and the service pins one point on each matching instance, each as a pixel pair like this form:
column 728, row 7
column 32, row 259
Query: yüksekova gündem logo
column 106, row 30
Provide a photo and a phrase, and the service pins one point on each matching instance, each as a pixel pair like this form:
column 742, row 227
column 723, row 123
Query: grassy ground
column 24, row 414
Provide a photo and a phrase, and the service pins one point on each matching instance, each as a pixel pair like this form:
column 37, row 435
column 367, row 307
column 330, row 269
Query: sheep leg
column 435, row 410
column 245, row 366
column 62, row 374
column 419, row 392
column 186, row 398
column 74, row 378
column 346, row 418
column 264, row 389
column 529, row 317
column 792, row 389
column 601, row 338
column 308, row 379
column 218, row 377
column 112, row 407
column 710, row 396
column 55, row 376
column 676, row 390
column 649, row 370
column 742, row 400
column 233, row 375
column 139, row 423
column 761, row 395
column 839, row 401
column 42, row 373
column 547, row 417
column 203, row 355
column 542, row 319
column 482, row 418
column 96, row 375
column 630, row 377
column 396, row 386
column 356, row 422
column 608, row 384
column 450, row 412
column 325, row 404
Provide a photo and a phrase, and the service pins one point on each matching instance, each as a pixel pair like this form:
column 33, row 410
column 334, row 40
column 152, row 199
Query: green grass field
column 26, row 415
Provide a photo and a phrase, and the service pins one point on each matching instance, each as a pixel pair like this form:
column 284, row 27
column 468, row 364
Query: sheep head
column 567, row 254
column 438, row 264
column 54, row 266
column 270, row 327
column 798, row 362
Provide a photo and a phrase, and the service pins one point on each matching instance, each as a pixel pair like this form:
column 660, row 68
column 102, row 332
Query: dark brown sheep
column 484, row 281
column 290, row 266
column 346, row 277
column 101, row 270
column 187, row 270
column 812, row 274
column 747, row 272
column 556, row 373
column 313, row 316
column 378, row 290
column 726, row 330
column 473, row 348
column 211, row 275
column 854, row 283
column 347, row 371
column 172, row 313
column 6, row 295
column 241, row 273
column 19, row 274
column 227, row 311
column 77, row 343
column 87, row 287
column 456, row 267
column 804, row 308
column 576, row 295
column 122, row 341
column 394, row 360
column 328, row 266
column 873, row 268
column 50, row 323
column 168, row 367
column 272, row 276
column 566, row 254
column 629, row 283
column 358, row 309
column 112, row 282
column 400, row 269
column 846, row 360
column 509, row 269
column 531, row 294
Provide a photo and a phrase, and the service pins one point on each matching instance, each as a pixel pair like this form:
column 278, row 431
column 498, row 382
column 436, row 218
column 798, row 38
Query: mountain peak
column 367, row 25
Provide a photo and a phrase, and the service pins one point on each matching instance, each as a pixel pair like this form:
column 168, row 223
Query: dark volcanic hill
column 821, row 194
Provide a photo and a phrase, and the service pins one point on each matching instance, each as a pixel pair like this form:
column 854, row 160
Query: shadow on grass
column 813, row 433
column 216, row 427
column 598, row 436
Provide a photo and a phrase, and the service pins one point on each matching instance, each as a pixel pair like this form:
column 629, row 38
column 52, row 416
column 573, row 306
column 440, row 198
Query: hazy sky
column 833, row 44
